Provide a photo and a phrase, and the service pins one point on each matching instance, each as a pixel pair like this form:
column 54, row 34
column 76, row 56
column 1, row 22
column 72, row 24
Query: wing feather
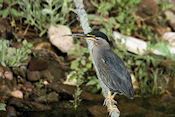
column 114, row 73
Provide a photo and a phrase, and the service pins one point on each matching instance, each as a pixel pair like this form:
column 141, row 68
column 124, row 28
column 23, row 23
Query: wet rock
column 98, row 111
column 37, row 64
column 28, row 105
column 17, row 94
column 49, row 98
column 47, row 75
column 171, row 16
column 52, row 56
column 57, row 38
column 11, row 112
column 4, row 91
column 8, row 75
column 70, row 90
column 33, row 75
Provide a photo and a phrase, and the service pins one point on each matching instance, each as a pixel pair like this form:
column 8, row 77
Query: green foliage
column 95, row 82
column 80, row 70
column 149, row 74
column 2, row 107
column 124, row 21
column 43, row 13
column 9, row 10
column 13, row 57
column 38, row 13
column 121, row 15
column 164, row 5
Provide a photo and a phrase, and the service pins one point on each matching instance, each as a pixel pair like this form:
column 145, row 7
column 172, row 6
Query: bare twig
column 84, row 24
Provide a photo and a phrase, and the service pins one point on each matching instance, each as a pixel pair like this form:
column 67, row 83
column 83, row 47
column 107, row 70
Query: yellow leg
column 109, row 100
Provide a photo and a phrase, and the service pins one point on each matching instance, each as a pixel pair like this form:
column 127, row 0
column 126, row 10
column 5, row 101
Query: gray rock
column 57, row 38
column 33, row 75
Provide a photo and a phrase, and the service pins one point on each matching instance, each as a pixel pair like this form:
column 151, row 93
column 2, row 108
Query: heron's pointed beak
column 84, row 36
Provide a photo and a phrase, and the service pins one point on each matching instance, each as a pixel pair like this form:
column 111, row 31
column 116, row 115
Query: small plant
column 80, row 69
column 43, row 13
column 95, row 82
column 38, row 13
column 9, row 10
column 12, row 57
column 2, row 107
column 147, row 69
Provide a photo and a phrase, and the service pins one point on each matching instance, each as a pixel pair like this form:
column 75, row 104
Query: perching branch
column 84, row 24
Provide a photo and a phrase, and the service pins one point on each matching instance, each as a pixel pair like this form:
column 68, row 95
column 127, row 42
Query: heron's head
column 98, row 37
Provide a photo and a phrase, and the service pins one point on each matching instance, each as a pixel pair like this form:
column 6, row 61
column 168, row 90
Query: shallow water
column 163, row 106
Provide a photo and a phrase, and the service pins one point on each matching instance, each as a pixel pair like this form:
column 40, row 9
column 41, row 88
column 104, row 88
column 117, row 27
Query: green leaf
column 94, row 3
column 4, row 13
column 74, row 65
column 83, row 62
column 88, row 65
column 85, row 50
column 70, row 52
column 3, row 106
column 162, row 47
column 30, row 45
column 3, row 63
column 15, row 13
column 91, row 82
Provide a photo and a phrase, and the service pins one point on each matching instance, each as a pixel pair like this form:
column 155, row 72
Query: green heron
column 112, row 70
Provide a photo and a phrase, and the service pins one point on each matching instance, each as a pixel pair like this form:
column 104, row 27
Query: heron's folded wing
column 114, row 73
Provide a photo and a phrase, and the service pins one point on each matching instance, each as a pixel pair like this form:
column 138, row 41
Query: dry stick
column 84, row 24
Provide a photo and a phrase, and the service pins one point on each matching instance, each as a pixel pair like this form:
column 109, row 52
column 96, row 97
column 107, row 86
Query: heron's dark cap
column 99, row 34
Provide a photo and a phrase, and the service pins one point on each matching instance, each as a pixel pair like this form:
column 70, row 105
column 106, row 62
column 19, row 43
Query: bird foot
column 110, row 99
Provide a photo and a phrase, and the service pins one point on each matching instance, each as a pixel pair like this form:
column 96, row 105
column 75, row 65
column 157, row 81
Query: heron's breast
column 98, row 54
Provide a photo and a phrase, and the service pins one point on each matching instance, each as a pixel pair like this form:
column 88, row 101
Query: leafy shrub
column 12, row 57
column 43, row 13
column 38, row 13
column 2, row 106
column 82, row 69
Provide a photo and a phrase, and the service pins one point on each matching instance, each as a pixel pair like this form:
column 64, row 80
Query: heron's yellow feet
column 110, row 100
